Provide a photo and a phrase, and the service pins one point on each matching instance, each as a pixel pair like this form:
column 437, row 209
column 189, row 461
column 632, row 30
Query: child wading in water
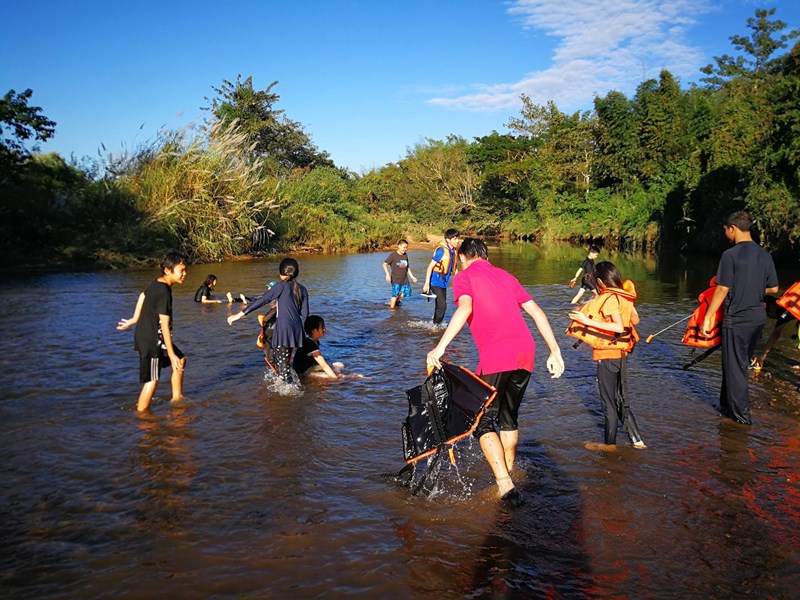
column 586, row 273
column 292, row 301
column 607, row 325
column 399, row 274
column 153, row 337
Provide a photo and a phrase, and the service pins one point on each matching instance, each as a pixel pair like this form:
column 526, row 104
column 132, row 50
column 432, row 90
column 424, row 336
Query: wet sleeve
column 462, row 286
column 725, row 270
column 269, row 296
column 161, row 300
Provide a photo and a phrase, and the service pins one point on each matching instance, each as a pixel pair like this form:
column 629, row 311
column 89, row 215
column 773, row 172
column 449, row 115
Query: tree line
column 656, row 170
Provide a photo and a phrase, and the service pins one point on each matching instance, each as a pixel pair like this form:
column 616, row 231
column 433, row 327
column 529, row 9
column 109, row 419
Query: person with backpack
column 292, row 310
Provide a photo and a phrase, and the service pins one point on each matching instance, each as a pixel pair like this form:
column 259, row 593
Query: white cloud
column 603, row 45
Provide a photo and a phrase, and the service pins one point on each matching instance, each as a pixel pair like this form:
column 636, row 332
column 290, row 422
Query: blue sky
column 367, row 79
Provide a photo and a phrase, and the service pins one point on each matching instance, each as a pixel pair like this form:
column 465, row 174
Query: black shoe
column 512, row 498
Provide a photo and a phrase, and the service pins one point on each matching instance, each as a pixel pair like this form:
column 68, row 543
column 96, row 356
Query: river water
column 245, row 490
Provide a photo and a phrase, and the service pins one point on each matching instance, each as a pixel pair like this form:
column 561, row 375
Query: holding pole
column 650, row 337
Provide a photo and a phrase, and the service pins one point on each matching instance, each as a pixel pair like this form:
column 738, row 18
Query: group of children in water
column 488, row 299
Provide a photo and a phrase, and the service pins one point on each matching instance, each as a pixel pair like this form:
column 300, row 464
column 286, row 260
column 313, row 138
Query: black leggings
column 283, row 361
column 612, row 379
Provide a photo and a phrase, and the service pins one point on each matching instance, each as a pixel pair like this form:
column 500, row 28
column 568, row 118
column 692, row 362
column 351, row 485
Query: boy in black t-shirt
column 745, row 274
column 153, row 336
column 309, row 356
column 587, row 281
column 400, row 273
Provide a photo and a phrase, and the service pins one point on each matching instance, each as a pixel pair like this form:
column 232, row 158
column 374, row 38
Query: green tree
column 19, row 123
column 272, row 135
column 756, row 58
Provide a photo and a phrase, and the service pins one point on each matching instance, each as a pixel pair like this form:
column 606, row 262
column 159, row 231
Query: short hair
column 740, row 219
column 450, row 234
column 313, row 322
column 402, row 241
column 473, row 248
column 595, row 249
column 172, row 260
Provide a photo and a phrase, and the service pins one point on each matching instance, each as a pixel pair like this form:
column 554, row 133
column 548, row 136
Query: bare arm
column 411, row 275
column 126, row 323
column 555, row 364
column 386, row 270
column 615, row 325
column 457, row 322
column 716, row 301
column 773, row 337
column 167, row 335
column 772, row 290
column 206, row 300
column 426, row 287
column 577, row 274
column 325, row 366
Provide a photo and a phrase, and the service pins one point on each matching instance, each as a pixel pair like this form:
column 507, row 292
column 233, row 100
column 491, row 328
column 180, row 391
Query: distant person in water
column 205, row 293
column 292, row 306
column 586, row 273
column 153, row 336
column 309, row 356
column 398, row 272
column 440, row 270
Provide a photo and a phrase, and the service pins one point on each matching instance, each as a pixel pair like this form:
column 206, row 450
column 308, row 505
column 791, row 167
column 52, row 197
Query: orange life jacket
column 602, row 339
column 444, row 266
column 791, row 300
column 694, row 335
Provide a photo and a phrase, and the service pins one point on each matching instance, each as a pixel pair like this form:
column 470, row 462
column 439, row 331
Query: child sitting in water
column 205, row 293
column 309, row 358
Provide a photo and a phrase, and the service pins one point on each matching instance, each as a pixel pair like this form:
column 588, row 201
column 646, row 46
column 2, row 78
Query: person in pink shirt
column 489, row 300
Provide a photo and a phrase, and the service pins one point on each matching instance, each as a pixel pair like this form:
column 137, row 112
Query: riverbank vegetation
column 656, row 170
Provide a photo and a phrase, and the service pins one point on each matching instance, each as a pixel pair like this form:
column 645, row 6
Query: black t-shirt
column 587, row 280
column 157, row 301
column 303, row 360
column 399, row 265
column 746, row 270
column 203, row 290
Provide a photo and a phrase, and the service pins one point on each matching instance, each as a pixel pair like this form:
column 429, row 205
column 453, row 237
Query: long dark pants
column 441, row 303
column 283, row 358
column 612, row 380
column 738, row 345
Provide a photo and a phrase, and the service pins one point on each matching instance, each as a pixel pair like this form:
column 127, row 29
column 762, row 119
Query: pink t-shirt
column 498, row 327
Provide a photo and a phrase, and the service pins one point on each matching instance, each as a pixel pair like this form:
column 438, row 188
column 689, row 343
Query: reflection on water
column 243, row 490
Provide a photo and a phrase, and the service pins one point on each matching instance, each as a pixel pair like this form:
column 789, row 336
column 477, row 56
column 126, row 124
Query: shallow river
column 245, row 491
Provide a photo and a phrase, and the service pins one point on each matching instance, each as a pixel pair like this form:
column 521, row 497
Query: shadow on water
column 536, row 550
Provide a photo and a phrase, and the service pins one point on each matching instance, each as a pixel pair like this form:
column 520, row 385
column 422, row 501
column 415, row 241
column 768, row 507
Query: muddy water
column 245, row 490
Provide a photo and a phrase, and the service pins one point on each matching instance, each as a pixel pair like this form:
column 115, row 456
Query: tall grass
column 205, row 194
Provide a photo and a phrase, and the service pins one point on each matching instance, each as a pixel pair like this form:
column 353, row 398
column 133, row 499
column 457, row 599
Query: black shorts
column 510, row 386
column 150, row 366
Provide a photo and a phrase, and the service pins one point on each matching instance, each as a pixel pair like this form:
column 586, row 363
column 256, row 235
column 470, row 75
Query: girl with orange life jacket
column 694, row 335
column 607, row 324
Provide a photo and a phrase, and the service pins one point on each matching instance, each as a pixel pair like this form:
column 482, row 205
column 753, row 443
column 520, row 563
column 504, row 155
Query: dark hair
column 289, row 268
column 608, row 273
column 473, row 248
column 741, row 219
column 313, row 322
column 402, row 241
column 451, row 233
column 594, row 249
column 171, row 260
column 210, row 279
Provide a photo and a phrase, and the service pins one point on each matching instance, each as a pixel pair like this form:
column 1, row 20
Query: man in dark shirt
column 153, row 336
column 745, row 274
